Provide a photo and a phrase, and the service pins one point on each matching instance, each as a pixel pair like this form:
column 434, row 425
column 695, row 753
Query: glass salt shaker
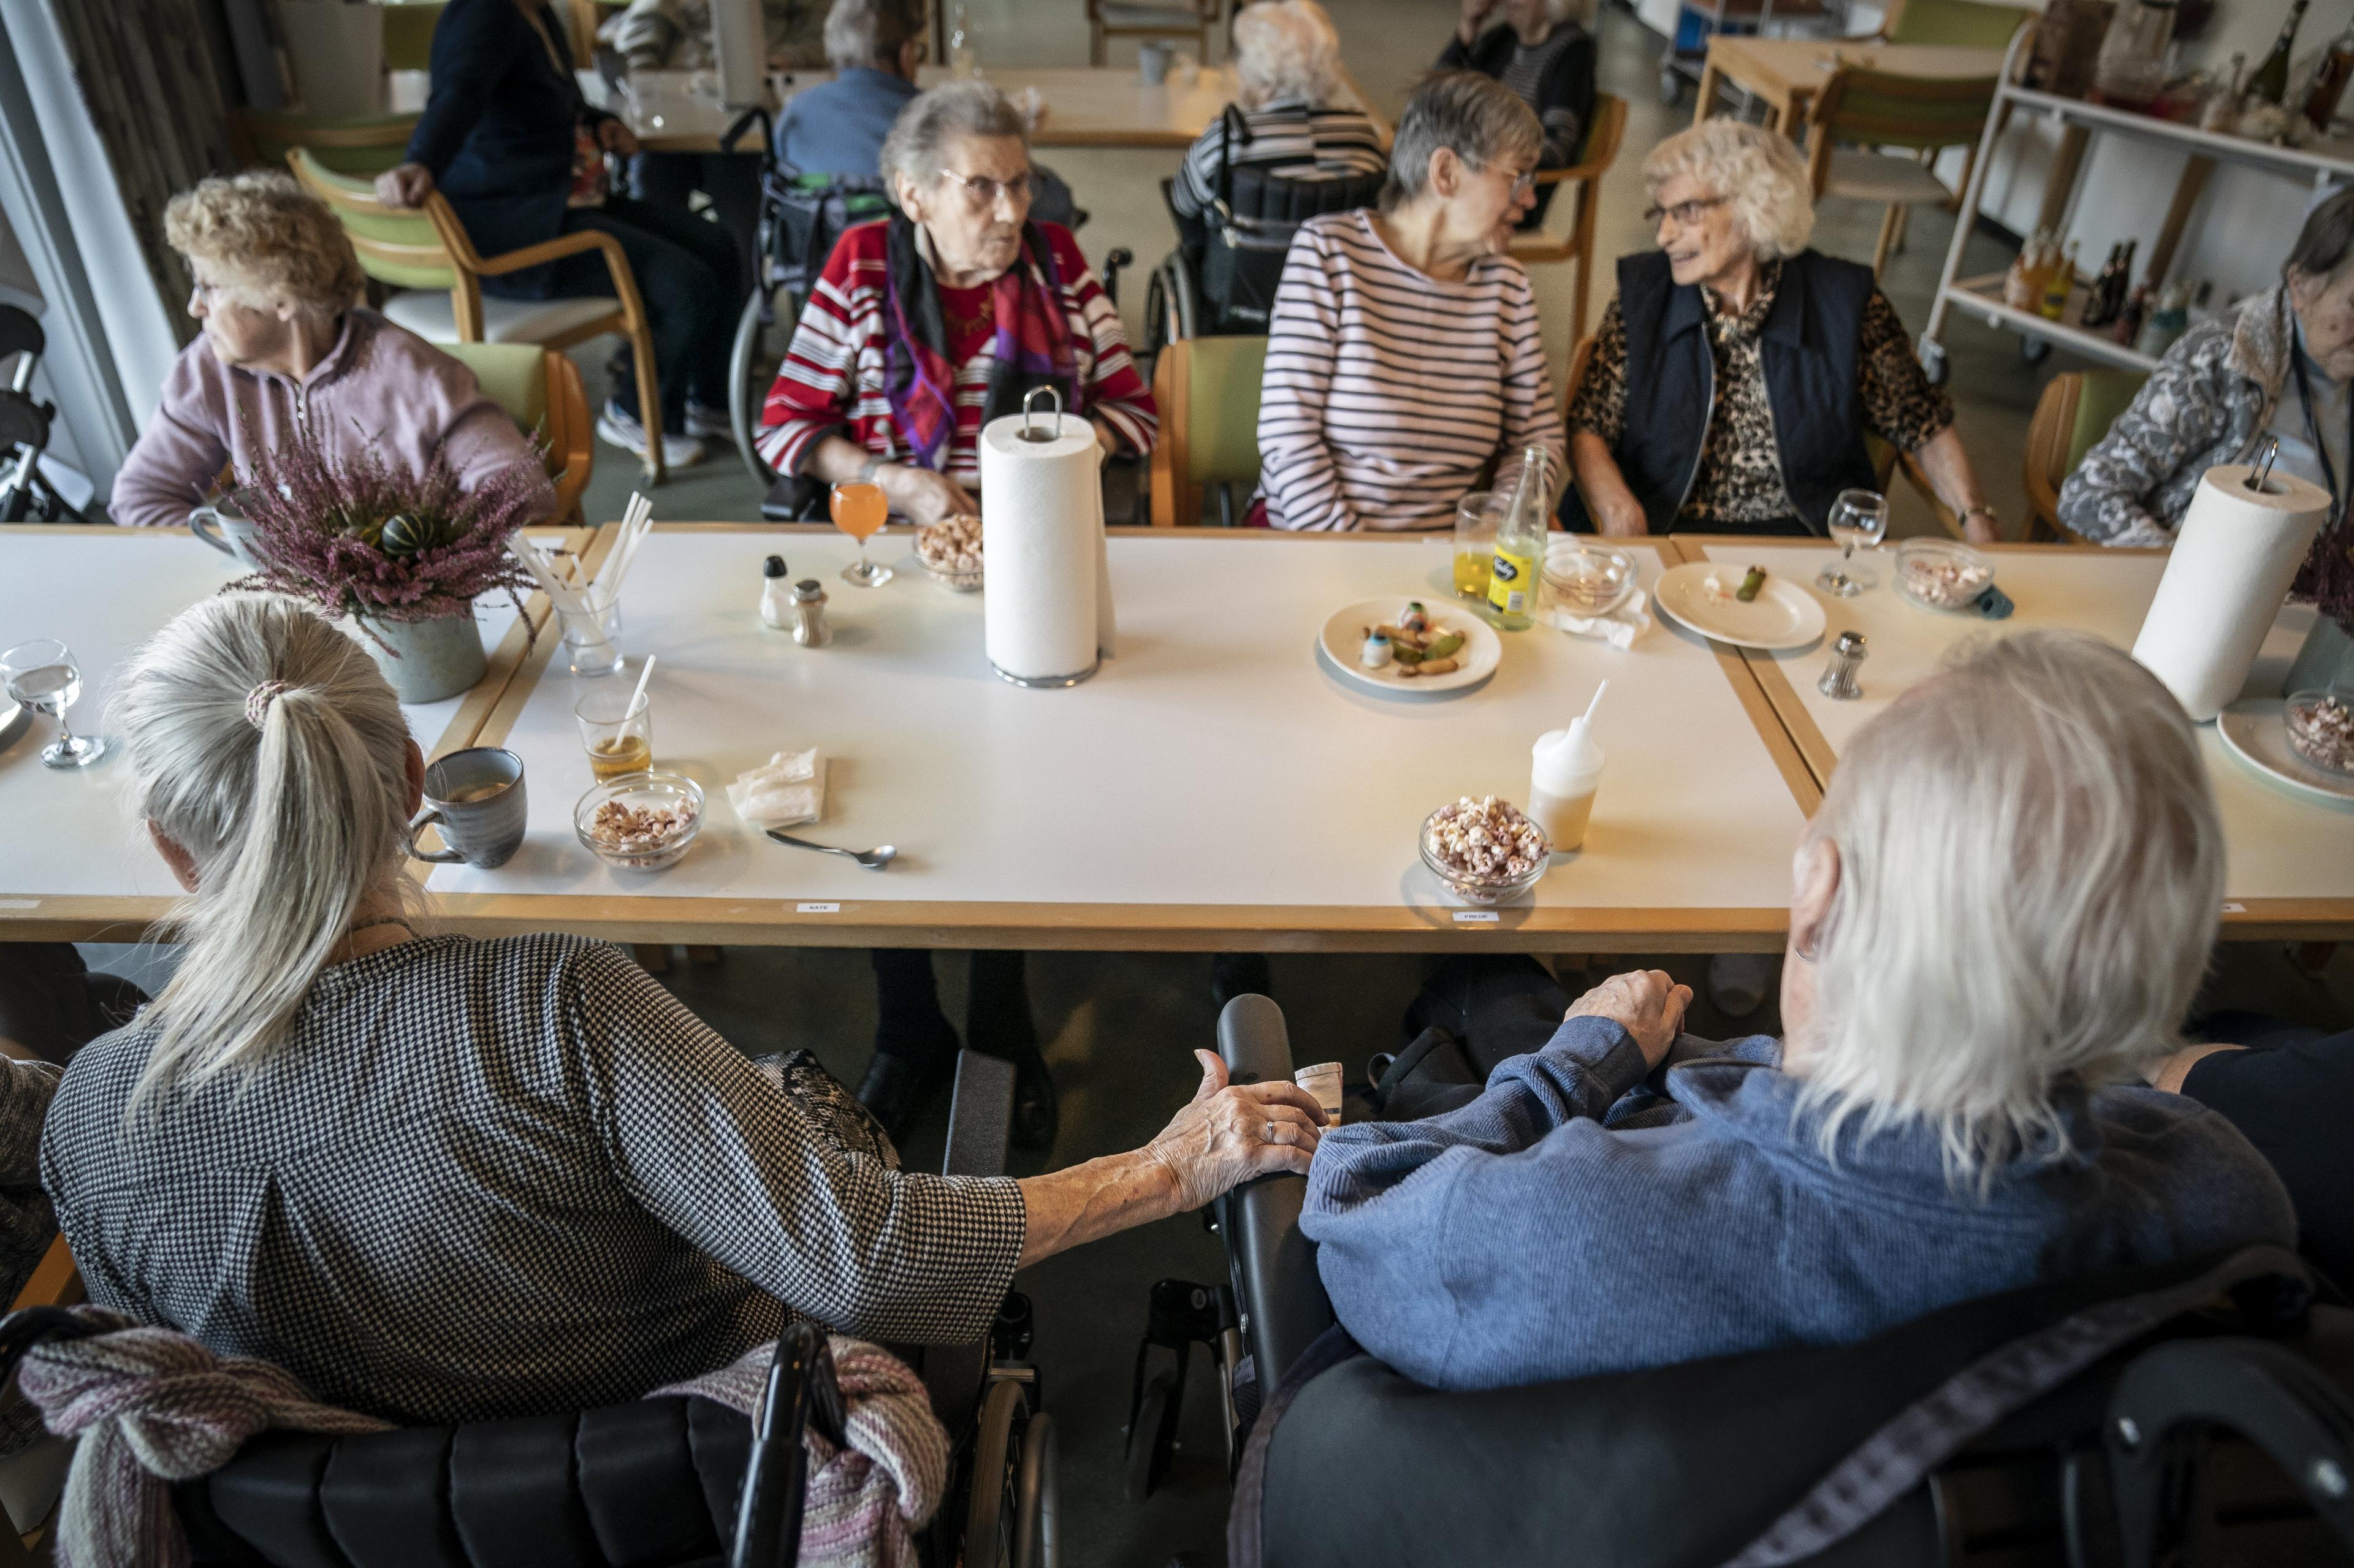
column 775, row 594
column 1839, row 677
column 809, row 629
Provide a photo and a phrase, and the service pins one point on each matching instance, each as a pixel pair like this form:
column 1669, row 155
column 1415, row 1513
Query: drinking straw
column 645, row 674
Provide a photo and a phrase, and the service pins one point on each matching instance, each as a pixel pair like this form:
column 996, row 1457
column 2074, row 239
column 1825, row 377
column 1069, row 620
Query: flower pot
column 428, row 659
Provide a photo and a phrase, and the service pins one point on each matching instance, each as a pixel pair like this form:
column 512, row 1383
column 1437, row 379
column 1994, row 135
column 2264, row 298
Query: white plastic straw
column 645, row 674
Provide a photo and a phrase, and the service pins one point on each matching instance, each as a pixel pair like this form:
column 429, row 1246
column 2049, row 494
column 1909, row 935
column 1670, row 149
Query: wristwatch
column 1981, row 508
column 866, row 470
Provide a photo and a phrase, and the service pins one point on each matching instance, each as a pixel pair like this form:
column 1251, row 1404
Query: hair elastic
column 258, row 701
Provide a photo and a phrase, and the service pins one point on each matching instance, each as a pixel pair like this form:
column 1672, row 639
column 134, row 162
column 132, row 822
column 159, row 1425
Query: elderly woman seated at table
column 440, row 1179
column 2281, row 364
column 286, row 347
column 1287, row 63
column 1404, row 357
column 1738, row 373
column 1955, row 1109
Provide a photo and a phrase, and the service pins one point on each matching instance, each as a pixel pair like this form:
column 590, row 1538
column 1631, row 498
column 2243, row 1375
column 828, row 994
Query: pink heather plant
column 2327, row 575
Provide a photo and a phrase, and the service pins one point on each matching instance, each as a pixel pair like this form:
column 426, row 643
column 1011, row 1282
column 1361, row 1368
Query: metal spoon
column 874, row 859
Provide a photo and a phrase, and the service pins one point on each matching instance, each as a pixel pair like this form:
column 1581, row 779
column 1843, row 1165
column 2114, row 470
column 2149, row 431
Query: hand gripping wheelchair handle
column 1284, row 1307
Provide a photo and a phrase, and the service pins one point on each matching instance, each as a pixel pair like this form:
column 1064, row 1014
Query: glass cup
column 1858, row 517
column 43, row 675
column 860, row 511
column 1476, row 516
column 617, row 730
column 592, row 638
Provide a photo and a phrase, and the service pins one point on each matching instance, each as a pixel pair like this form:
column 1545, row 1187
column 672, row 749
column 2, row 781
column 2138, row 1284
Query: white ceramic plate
column 2256, row 732
column 1785, row 614
column 1343, row 640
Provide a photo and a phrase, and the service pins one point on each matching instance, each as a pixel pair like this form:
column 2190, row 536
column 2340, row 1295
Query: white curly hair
column 1757, row 172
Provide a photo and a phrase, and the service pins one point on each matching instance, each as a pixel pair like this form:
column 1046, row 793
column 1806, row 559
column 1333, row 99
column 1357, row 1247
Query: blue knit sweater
column 1519, row 1240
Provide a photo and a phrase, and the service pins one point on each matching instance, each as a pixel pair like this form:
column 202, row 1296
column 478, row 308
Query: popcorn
column 952, row 544
column 1948, row 584
column 1487, row 839
column 789, row 788
column 2321, row 730
column 639, row 830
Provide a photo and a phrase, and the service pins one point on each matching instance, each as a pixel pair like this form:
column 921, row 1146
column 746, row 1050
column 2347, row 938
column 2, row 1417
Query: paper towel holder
column 1031, row 433
column 2260, row 472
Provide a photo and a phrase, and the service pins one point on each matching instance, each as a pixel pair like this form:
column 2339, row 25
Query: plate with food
column 1411, row 645
column 2304, row 744
column 1747, row 607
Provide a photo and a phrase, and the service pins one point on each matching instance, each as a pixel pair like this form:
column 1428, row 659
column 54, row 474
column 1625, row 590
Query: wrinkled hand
column 924, row 495
column 406, row 185
column 1646, row 1003
column 1232, row 1132
column 616, row 138
column 1623, row 521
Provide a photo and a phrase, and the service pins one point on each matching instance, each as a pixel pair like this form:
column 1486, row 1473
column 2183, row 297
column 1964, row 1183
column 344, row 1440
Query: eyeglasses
column 1522, row 184
column 981, row 192
column 1685, row 213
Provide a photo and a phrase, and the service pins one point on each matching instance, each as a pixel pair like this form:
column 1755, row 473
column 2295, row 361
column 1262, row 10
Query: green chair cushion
column 394, row 229
column 514, row 376
column 1222, row 412
column 1966, row 24
column 2106, row 395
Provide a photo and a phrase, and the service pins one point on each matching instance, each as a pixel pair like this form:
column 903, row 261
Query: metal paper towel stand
column 1030, row 432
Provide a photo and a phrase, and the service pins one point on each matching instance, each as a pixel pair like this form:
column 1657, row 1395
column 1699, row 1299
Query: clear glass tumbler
column 1476, row 516
column 617, row 730
column 592, row 638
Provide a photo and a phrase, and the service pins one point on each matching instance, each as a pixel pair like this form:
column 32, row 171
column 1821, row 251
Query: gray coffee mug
column 1152, row 62
column 475, row 796
column 235, row 531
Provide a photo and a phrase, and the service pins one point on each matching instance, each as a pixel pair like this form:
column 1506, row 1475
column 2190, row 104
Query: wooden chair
column 1207, row 389
column 426, row 253
column 1874, row 109
column 1544, row 245
column 408, row 36
column 541, row 391
column 364, row 144
column 32, row 1479
column 2075, row 411
column 1110, row 19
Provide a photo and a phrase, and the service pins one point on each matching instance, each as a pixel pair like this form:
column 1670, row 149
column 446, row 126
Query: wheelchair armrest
column 802, row 1392
column 980, row 1115
column 1284, row 1307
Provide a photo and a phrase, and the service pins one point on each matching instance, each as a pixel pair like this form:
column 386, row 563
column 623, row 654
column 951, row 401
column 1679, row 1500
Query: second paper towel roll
column 1046, row 609
column 2235, row 556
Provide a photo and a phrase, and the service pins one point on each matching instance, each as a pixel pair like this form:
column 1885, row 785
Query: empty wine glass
column 42, row 675
column 860, row 511
column 1858, row 517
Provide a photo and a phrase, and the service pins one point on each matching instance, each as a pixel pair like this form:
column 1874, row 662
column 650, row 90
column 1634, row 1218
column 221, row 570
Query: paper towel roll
column 1047, row 608
column 2235, row 556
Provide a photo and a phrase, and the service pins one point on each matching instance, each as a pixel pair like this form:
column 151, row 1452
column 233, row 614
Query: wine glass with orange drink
column 860, row 511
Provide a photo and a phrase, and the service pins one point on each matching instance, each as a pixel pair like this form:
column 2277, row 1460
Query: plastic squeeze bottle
column 1567, row 770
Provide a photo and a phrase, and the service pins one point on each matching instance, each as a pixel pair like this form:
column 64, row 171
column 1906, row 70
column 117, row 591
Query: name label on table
column 19, row 903
column 1477, row 917
column 2235, row 909
column 817, row 908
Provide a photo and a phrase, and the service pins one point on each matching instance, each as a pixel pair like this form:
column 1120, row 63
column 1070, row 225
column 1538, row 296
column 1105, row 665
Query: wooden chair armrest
column 556, row 249
column 1591, row 169
column 56, row 1281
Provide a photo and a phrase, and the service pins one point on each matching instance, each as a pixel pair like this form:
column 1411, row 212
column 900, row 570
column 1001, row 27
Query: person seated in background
column 1537, row 50
column 286, row 346
column 52, row 1003
column 1954, row 1110
column 1287, row 64
column 2281, row 364
column 1404, row 359
column 508, row 139
column 1738, row 372
column 920, row 328
column 441, row 1179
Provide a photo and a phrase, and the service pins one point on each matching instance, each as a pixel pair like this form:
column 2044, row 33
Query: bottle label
column 1511, row 582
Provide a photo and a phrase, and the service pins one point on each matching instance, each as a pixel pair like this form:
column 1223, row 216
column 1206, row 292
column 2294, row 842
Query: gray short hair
column 2326, row 243
column 1755, row 170
column 870, row 32
column 1480, row 120
column 1286, row 49
column 2030, row 880
column 934, row 119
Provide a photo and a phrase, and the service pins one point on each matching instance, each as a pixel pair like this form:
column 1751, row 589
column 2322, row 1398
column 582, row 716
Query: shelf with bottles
column 2316, row 159
column 1983, row 297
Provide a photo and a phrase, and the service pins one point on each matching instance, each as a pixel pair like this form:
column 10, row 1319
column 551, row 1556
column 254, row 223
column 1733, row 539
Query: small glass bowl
column 2324, row 739
column 1586, row 577
column 1479, row 890
column 1938, row 573
column 656, row 790
column 955, row 582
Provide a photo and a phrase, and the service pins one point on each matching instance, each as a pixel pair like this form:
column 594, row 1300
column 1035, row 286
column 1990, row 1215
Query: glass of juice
column 617, row 729
column 859, row 511
column 1476, row 516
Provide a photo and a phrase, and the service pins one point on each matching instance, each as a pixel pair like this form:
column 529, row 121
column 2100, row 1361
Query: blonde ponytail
column 267, row 745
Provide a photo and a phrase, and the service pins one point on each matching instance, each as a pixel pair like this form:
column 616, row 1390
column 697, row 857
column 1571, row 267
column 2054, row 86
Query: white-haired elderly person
column 335, row 1122
column 287, row 347
column 1404, row 357
column 1286, row 64
column 1738, row 373
column 1539, row 50
column 1955, row 1109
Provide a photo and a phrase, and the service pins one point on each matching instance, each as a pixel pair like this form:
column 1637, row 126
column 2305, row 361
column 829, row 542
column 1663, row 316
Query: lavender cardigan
column 379, row 385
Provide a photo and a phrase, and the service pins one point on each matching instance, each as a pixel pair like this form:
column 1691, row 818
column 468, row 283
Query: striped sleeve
column 816, row 392
column 1115, row 393
column 1297, row 471
column 1532, row 417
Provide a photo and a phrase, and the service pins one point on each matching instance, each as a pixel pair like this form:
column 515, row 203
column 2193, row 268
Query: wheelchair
column 656, row 1483
column 2200, row 1411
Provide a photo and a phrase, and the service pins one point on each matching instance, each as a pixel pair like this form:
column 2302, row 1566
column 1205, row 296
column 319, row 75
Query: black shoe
column 1239, row 974
column 1035, row 1113
column 897, row 1093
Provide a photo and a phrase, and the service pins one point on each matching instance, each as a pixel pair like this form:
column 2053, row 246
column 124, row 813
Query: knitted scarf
column 1031, row 347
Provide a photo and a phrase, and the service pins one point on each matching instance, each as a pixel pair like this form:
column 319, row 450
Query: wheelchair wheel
column 1037, row 1494
column 993, row 1520
column 752, row 363
column 1152, row 1438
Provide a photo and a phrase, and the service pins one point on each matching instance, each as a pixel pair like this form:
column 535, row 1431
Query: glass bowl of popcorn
column 1586, row 577
column 950, row 552
column 1938, row 573
column 2321, row 728
column 1486, row 851
column 640, row 821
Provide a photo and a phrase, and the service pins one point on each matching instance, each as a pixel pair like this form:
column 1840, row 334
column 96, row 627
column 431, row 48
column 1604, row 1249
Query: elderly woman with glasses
column 1738, row 372
column 1404, row 358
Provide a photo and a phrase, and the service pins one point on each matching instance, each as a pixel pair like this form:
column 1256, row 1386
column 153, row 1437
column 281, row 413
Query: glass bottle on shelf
column 2057, row 288
column 2132, row 64
column 2270, row 82
column 2103, row 287
column 2330, row 78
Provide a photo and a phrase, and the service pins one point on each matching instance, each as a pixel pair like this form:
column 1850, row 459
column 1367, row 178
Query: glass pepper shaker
column 809, row 629
column 1839, row 677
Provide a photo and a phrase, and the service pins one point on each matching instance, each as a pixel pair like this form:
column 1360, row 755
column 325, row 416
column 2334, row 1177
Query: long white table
column 2291, row 860
column 1213, row 787
column 73, row 864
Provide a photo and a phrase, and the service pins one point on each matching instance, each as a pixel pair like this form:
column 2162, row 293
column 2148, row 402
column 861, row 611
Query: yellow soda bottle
column 1519, row 549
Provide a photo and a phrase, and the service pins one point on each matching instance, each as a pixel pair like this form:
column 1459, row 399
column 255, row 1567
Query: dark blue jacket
column 1810, row 346
column 837, row 127
column 497, row 132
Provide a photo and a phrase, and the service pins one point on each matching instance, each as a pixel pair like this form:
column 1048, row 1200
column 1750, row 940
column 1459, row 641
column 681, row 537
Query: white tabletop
column 103, row 592
column 1213, row 777
column 2281, row 846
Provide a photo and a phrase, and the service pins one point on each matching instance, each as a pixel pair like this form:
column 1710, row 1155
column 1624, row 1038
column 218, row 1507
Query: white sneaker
column 711, row 423
column 616, row 428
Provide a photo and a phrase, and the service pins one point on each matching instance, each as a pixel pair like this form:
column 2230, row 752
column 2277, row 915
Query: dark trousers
column 687, row 270
column 52, row 1005
column 732, row 181
column 910, row 1025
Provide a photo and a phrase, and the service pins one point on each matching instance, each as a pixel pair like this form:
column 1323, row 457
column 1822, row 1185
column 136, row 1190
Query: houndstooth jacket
column 2207, row 402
